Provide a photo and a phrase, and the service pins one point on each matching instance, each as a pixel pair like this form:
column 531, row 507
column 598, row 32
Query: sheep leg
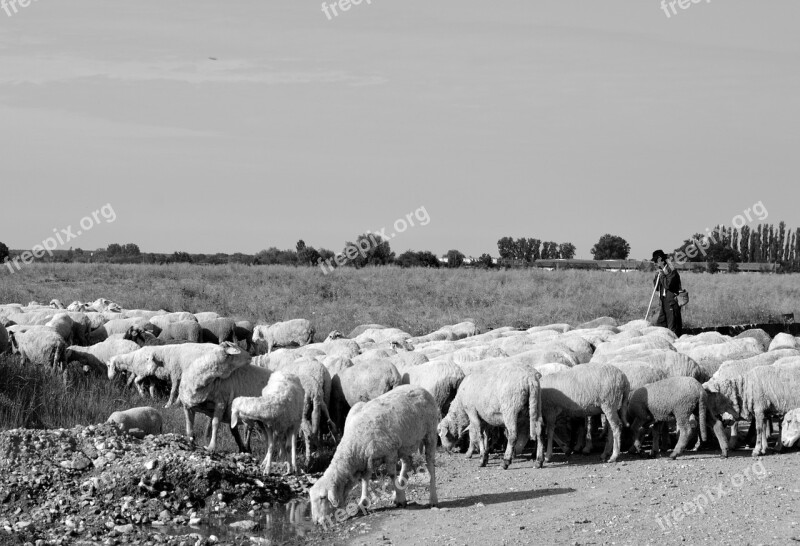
column 511, row 433
column 189, row 415
column 613, row 445
column 219, row 410
column 759, row 431
column 399, row 484
column 173, row 393
column 137, row 382
column 684, row 430
column 306, row 428
column 294, row 451
column 778, row 444
column 734, row 440
column 587, row 446
column 267, row 463
column 484, row 445
column 551, row 432
column 654, row 450
column 636, row 430
column 364, row 500
column 719, row 432
column 430, row 463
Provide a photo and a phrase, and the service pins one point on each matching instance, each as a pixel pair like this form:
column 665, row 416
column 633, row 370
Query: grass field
column 416, row 300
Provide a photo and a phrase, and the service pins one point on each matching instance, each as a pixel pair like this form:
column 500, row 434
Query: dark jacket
column 671, row 283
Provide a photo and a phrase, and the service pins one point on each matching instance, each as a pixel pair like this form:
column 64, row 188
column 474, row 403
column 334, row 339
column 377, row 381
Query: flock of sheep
column 383, row 394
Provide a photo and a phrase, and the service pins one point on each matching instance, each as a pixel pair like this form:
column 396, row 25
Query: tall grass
column 416, row 300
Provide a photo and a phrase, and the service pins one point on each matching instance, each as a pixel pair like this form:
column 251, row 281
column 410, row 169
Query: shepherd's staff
column 652, row 295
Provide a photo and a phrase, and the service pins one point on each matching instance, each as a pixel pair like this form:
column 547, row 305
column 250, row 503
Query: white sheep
column 184, row 330
column 40, row 346
column 218, row 330
column 389, row 428
column 98, row 356
column 583, row 391
column 162, row 320
column 790, row 428
column 210, row 384
column 441, row 379
column 63, row 326
column 278, row 412
column 362, row 382
column 504, row 395
column 783, row 341
column 206, row 316
column 295, row 332
column 144, row 418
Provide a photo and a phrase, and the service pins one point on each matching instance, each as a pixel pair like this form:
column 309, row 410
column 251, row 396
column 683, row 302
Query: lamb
column 97, row 357
column 186, row 330
column 584, row 391
column 278, row 412
column 790, row 428
column 40, row 346
column 295, row 332
column 441, row 379
column 390, row 427
column 218, row 330
column 362, row 382
column 507, row 394
column 678, row 397
column 146, row 419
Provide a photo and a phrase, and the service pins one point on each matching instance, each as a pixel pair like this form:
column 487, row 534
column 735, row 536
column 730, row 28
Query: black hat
column 659, row 254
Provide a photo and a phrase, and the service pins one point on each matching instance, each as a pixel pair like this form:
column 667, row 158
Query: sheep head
column 324, row 500
column 112, row 366
column 790, row 430
column 448, row 433
column 335, row 334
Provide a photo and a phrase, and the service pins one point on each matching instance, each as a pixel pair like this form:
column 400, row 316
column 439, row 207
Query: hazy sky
column 561, row 120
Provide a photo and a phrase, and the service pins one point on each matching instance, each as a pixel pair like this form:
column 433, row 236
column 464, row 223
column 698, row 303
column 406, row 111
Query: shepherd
column 668, row 284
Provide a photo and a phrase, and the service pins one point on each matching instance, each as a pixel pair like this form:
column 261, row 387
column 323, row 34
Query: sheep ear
column 332, row 498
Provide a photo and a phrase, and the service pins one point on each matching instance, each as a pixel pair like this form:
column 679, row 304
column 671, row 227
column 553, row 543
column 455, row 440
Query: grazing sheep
column 210, row 384
column 339, row 346
column 584, row 391
column 783, row 341
column 381, row 335
column 758, row 334
column 206, row 316
column 63, row 326
column 506, row 395
column 218, row 330
column 679, row 397
column 295, row 332
column 40, row 346
column 361, row 328
column 550, row 367
column 675, row 364
column 768, row 390
column 598, row 322
column 185, row 330
column 790, row 428
column 441, row 379
column 97, row 357
column 539, row 356
column 144, row 418
column 640, row 374
column 710, row 357
column 390, row 427
column 278, row 412
column 116, row 326
column 161, row 321
column 361, row 382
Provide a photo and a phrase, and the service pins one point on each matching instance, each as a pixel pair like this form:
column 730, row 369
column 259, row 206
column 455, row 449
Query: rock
column 124, row 529
column 245, row 525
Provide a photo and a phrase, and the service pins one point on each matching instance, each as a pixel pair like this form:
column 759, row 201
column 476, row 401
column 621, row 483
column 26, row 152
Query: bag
column 682, row 297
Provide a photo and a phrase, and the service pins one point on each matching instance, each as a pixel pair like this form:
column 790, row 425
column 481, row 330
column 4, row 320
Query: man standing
column 668, row 285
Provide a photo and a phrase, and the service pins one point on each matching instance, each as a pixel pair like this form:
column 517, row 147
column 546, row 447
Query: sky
column 237, row 126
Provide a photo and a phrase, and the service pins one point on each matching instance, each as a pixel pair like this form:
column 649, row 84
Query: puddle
column 285, row 524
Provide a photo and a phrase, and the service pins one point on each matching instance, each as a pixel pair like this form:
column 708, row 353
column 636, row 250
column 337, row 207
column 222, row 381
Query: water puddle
column 285, row 524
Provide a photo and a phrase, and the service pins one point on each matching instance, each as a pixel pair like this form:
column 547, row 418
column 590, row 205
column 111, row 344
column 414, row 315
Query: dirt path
column 739, row 500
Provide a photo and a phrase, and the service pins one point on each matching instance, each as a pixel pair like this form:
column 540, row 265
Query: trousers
column 669, row 316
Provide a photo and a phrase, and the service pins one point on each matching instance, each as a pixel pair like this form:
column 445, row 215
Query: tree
column 486, row 261
column 566, row 251
column 114, row 249
column 781, row 240
column 410, row 258
column 131, row 250
column 506, row 248
column 272, row 256
column 733, row 267
column 454, row 258
column 744, row 243
column 611, row 247
column 4, row 254
column 369, row 249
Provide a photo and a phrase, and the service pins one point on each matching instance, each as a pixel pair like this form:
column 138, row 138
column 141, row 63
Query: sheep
column 630, row 346
column 584, row 391
column 550, row 367
column 146, row 419
column 675, row 364
column 339, row 346
column 218, row 330
column 508, row 395
column 758, row 334
column 361, row 328
column 63, row 326
column 56, row 304
column 599, row 322
column 278, row 412
column 768, row 390
column 116, row 326
column 407, row 359
column 205, row 316
column 161, row 321
column 361, row 382
column 441, row 379
column 295, row 332
column 244, row 332
column 80, row 326
column 381, row 335
column 187, row 330
column 675, row 396
column 40, row 346
column 390, row 427
column 783, row 341
column 98, row 356
column 710, row 357
column 790, row 428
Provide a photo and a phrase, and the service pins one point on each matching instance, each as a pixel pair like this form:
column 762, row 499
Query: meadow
column 415, row 300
